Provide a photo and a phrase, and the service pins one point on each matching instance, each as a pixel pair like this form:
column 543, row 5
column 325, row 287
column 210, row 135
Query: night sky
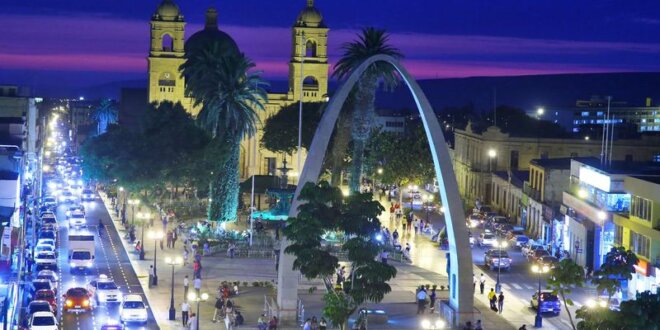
column 58, row 46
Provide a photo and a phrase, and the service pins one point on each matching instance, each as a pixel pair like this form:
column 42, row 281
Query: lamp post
column 173, row 262
column 143, row 216
column 491, row 155
column 192, row 296
column 303, row 54
column 500, row 245
column 539, row 113
column 538, row 320
column 133, row 203
column 155, row 235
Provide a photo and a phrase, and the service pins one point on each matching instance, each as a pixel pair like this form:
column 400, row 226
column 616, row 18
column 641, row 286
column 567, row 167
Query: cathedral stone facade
column 308, row 73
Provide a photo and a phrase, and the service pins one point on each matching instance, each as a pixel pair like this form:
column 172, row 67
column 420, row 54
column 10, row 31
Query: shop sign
column 642, row 267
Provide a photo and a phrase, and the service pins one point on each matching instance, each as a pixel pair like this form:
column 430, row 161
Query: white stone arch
column 461, row 292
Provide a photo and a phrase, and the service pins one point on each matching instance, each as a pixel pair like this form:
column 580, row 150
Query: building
column 308, row 71
column 477, row 154
column 594, row 112
column 639, row 231
column 507, row 193
column 595, row 194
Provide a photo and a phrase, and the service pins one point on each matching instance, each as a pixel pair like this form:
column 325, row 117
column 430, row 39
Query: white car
column 45, row 259
column 88, row 195
column 48, row 275
column 45, row 248
column 43, row 321
column 133, row 309
column 50, row 201
column 487, row 239
column 77, row 219
column 104, row 289
column 46, row 241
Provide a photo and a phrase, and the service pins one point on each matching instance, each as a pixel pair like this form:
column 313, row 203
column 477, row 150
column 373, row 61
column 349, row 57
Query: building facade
column 594, row 112
column 477, row 155
column 308, row 76
column 639, row 231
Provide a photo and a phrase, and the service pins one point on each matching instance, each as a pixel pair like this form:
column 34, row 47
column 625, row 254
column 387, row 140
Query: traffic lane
column 119, row 264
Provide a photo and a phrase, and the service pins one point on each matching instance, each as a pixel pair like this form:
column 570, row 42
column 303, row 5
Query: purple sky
column 98, row 45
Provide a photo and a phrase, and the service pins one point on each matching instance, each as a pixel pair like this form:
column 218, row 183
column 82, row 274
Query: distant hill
column 526, row 92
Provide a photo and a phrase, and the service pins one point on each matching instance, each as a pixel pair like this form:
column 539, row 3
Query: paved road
column 111, row 259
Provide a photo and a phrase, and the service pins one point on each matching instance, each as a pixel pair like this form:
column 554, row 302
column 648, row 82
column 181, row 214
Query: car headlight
column 73, row 264
column 90, row 264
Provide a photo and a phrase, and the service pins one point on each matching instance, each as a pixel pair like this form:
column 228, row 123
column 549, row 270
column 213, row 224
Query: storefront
column 644, row 279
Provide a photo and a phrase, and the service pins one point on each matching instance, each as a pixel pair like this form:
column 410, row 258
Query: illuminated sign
column 594, row 179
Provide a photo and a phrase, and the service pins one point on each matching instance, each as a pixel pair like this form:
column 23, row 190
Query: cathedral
column 308, row 72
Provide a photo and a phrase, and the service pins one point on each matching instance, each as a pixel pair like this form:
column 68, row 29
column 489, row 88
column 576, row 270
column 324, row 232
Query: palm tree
column 229, row 95
column 370, row 42
column 104, row 114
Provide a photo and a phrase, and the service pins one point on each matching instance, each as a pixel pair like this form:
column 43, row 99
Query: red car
column 47, row 295
column 77, row 299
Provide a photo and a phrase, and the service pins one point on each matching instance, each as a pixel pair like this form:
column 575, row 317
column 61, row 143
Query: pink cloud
column 107, row 44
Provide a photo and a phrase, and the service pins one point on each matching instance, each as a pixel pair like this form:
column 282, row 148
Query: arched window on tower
column 310, row 84
column 310, row 49
column 168, row 43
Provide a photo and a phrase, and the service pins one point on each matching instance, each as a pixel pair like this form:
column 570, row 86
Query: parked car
column 45, row 260
column 487, row 239
column 538, row 254
column 133, row 309
column 77, row 299
column 474, row 220
column 49, row 221
column 47, row 233
column 48, row 275
column 39, row 306
column 495, row 258
column 47, row 295
column 50, row 202
column 530, row 247
column 549, row 302
column 45, row 248
column 43, row 321
column 518, row 241
column 548, row 260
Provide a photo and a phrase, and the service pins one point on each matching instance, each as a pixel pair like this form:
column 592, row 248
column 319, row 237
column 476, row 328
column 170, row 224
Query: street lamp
column 379, row 171
column 438, row 324
column 538, row 321
column 499, row 245
column 192, row 296
column 133, row 202
column 540, row 112
column 173, row 262
column 491, row 154
column 143, row 216
column 155, row 235
column 595, row 304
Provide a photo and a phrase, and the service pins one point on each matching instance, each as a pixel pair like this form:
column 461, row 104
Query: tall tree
column 230, row 96
column 619, row 265
column 370, row 42
column 562, row 278
column 104, row 114
column 324, row 210
column 280, row 132
column 640, row 313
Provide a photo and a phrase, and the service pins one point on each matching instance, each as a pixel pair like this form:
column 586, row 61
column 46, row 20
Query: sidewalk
column 215, row 269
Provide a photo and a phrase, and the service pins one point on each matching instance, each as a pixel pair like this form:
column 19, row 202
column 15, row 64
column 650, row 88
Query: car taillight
column 86, row 302
column 69, row 303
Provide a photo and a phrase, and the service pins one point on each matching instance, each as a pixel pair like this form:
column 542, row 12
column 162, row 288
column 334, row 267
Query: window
column 310, row 49
column 656, row 158
column 585, row 114
column 513, row 163
column 640, row 244
column 641, row 208
column 618, row 235
column 168, row 43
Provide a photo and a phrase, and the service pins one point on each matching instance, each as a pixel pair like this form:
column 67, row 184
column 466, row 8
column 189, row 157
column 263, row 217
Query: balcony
column 532, row 193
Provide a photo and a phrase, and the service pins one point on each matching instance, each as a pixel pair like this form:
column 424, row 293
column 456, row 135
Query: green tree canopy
column 638, row 314
column 562, row 278
column 280, row 132
column 619, row 264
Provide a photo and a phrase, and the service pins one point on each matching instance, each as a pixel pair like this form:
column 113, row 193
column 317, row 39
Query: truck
column 81, row 252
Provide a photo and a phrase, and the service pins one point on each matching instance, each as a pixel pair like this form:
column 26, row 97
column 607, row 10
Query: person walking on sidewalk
column 151, row 275
column 192, row 323
column 186, row 284
column 482, row 283
column 421, row 301
column 197, row 285
column 500, row 302
column 478, row 326
column 184, row 312
column 474, row 283
column 169, row 239
column 492, row 298
column 219, row 308
column 174, row 237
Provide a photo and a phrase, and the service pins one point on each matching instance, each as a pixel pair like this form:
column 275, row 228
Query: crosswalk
column 516, row 286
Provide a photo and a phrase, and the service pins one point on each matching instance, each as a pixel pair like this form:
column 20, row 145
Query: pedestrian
column 272, row 324
column 161, row 244
column 197, row 285
column 492, row 298
column 468, row 326
column 416, row 225
column 169, row 239
column 524, row 327
column 433, row 296
column 478, row 326
column 474, row 283
column 315, row 323
column 174, row 237
column 219, row 308
column 151, row 275
column 192, row 322
column 186, row 284
column 421, row 301
column 500, row 302
column 231, row 250
column 207, row 249
column 482, row 283
column 308, row 324
column 184, row 312
column 261, row 322
column 323, row 325
column 236, row 289
column 185, row 256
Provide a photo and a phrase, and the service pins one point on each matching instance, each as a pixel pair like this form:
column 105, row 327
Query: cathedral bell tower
column 309, row 56
column 166, row 54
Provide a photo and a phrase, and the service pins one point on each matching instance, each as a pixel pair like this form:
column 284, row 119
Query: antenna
column 611, row 141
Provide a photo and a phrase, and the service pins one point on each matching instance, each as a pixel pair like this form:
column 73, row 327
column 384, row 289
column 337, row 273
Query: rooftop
column 623, row 167
column 558, row 163
column 517, row 177
column 652, row 178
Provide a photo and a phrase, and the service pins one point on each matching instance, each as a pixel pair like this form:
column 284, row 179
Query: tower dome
column 168, row 10
column 211, row 34
column 310, row 16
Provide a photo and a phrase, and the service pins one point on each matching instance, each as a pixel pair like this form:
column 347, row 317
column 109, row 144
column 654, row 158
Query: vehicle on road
column 518, row 241
column 133, row 309
column 530, row 247
column 47, row 295
column 45, row 260
column 39, row 306
column 371, row 317
column 474, row 220
column 77, row 299
column 495, row 258
column 537, row 254
column 43, row 321
column 66, row 197
column 75, row 208
column 549, row 261
column 88, row 195
column 77, row 219
column 49, row 220
column 47, row 233
column 48, row 275
column 50, row 201
column 487, row 239
column 81, row 260
column 45, row 248
column 112, row 325
column 104, row 290
column 549, row 302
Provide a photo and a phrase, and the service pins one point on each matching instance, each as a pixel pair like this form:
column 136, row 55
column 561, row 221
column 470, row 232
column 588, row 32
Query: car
column 518, row 241
column 537, row 254
column 45, row 260
column 474, row 220
column 48, row 275
column 105, row 290
column 77, row 219
column 48, row 214
column 43, row 321
column 46, row 241
column 66, row 197
column 77, row 299
column 495, row 258
column 548, row 260
column 39, row 306
column 88, row 195
column 76, row 189
column 47, row 233
column 47, row 295
column 45, row 248
column 112, row 325
column 74, row 208
column 40, row 284
column 133, row 309
column 487, row 239
column 549, row 302
column 44, row 209
column 49, row 222
column 530, row 247
column 515, row 231
column 50, row 201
